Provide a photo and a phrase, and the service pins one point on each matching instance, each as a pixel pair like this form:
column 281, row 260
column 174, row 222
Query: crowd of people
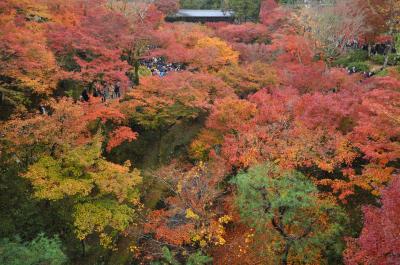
column 353, row 70
column 104, row 90
column 159, row 67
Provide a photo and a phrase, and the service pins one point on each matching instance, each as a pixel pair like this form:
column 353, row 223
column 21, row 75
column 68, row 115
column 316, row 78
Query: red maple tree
column 378, row 242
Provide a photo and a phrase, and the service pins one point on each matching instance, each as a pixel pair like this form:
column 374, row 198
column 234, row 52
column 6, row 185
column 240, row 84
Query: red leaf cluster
column 120, row 135
column 378, row 242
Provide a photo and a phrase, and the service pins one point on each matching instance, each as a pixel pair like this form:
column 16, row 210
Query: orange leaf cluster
column 120, row 135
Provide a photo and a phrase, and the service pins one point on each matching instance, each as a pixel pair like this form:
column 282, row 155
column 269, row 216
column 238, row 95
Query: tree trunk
column 388, row 50
column 83, row 248
column 369, row 50
column 285, row 254
column 136, row 81
column 160, row 136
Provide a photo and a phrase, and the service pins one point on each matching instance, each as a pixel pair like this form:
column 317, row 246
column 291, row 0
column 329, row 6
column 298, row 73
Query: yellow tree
column 65, row 166
column 192, row 45
column 213, row 53
column 103, row 195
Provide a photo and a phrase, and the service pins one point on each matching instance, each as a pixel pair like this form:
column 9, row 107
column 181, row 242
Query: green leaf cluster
column 168, row 258
column 40, row 250
column 103, row 195
column 288, row 206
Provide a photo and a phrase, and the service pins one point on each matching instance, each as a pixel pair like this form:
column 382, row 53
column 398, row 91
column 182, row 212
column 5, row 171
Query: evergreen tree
column 245, row 9
column 41, row 250
column 201, row 4
column 296, row 221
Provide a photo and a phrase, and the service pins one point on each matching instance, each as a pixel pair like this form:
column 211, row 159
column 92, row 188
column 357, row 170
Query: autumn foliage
column 120, row 135
column 240, row 143
column 377, row 243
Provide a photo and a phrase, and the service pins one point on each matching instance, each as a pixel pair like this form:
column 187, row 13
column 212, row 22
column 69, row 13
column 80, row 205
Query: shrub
column 383, row 72
column 394, row 59
column 360, row 66
column 352, row 57
column 41, row 250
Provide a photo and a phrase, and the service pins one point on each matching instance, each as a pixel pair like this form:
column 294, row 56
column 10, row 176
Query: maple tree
column 190, row 217
column 27, row 64
column 30, row 134
column 95, row 48
column 253, row 52
column 167, row 6
column 120, row 135
column 143, row 18
column 191, row 44
column 285, row 127
column 175, row 41
column 271, row 14
column 67, row 164
column 250, row 39
column 247, row 144
column 243, row 33
column 88, row 180
column 213, row 53
column 226, row 116
column 247, row 79
column 160, row 103
column 69, row 125
column 377, row 243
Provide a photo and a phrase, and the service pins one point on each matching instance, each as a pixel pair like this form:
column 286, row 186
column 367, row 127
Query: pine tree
column 285, row 206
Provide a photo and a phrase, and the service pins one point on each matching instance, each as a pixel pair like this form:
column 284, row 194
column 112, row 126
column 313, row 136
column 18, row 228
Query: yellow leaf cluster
column 213, row 234
column 191, row 215
column 214, row 53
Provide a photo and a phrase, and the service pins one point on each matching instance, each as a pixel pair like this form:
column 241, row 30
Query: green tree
column 201, row 4
column 40, row 250
column 168, row 258
column 198, row 258
column 298, row 223
column 245, row 9
column 103, row 196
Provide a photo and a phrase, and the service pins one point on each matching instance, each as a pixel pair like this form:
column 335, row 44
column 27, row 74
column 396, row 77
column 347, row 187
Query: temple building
column 202, row 16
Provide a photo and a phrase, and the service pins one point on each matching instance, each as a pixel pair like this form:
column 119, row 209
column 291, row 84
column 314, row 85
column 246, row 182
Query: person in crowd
column 103, row 92
column 117, row 90
column 97, row 90
column 106, row 92
column 110, row 89
column 351, row 70
column 368, row 74
column 103, row 97
column 85, row 95
column 42, row 110
column 158, row 66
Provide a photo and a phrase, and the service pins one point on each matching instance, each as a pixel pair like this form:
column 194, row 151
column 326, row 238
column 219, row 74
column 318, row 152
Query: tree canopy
column 129, row 139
